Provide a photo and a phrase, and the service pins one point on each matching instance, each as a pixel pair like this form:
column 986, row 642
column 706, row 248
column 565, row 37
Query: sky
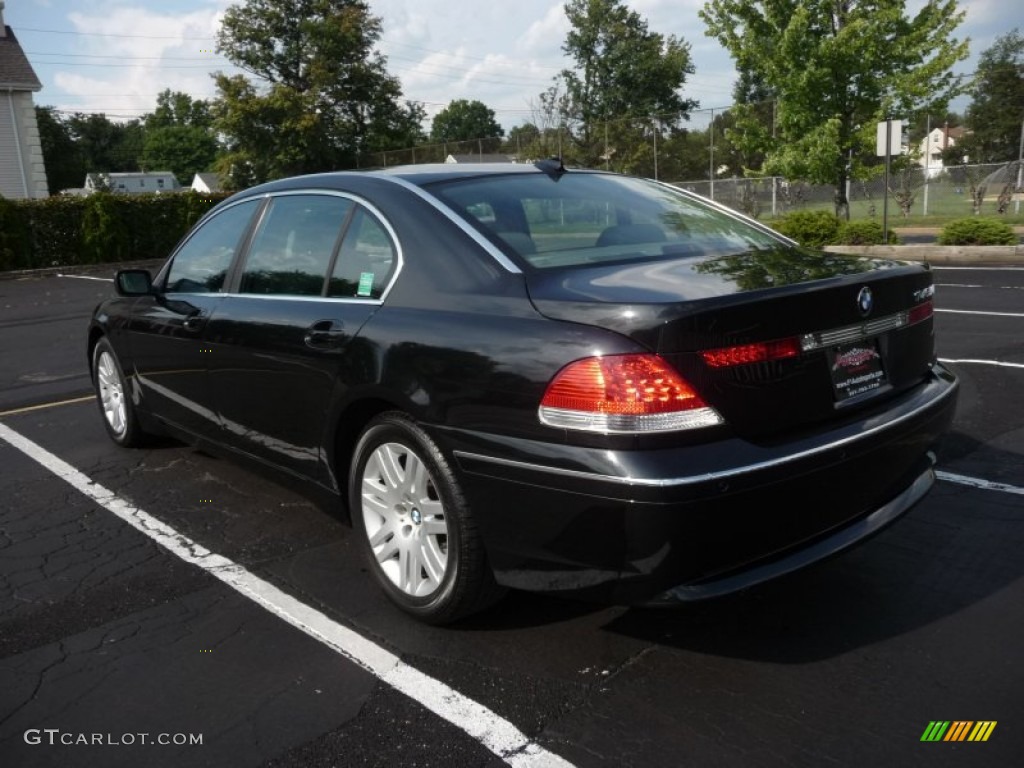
column 115, row 56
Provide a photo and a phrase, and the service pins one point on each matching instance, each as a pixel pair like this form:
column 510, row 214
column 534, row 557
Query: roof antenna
column 553, row 167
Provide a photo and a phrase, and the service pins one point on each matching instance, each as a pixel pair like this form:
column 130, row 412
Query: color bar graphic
column 958, row 730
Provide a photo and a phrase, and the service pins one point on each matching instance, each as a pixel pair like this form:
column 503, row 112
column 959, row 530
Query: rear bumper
column 696, row 521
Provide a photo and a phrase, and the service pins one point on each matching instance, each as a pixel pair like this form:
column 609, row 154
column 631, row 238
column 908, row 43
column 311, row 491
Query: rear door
column 282, row 341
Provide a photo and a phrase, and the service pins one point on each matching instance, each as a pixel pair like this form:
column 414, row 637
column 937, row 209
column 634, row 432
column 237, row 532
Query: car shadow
column 958, row 547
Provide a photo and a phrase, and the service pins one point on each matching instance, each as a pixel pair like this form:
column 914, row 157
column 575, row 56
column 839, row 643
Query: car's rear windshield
column 585, row 218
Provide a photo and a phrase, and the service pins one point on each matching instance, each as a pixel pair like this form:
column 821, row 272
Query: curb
column 965, row 255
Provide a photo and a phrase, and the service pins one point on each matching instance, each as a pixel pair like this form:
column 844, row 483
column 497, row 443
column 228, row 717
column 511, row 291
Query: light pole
column 1020, row 157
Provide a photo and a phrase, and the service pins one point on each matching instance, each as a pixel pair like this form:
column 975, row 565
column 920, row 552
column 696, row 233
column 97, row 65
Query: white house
column 204, row 183
column 934, row 144
column 22, row 174
column 132, row 183
column 479, row 158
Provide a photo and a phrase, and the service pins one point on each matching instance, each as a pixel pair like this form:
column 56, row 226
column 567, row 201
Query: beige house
column 22, row 174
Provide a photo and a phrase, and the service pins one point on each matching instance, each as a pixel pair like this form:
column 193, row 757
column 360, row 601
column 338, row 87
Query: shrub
column 810, row 228
column 14, row 236
column 978, row 231
column 863, row 233
column 103, row 232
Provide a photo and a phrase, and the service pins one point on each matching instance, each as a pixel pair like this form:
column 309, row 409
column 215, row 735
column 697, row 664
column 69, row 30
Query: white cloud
column 127, row 55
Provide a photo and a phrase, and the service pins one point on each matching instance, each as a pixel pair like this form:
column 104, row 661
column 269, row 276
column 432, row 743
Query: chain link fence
column 954, row 191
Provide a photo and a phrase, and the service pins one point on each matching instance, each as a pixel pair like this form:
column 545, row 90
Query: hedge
column 863, row 233
column 810, row 228
column 978, row 231
column 98, row 228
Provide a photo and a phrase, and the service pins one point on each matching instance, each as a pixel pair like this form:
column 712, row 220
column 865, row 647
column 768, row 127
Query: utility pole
column 1018, row 192
column 888, row 163
column 711, row 154
column 927, row 161
column 654, row 124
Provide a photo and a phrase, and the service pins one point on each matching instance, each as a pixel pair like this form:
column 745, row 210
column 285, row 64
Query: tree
column 106, row 146
column 323, row 94
column 179, row 136
column 463, row 120
column 626, row 80
column 523, row 141
column 836, row 69
column 65, row 167
column 997, row 108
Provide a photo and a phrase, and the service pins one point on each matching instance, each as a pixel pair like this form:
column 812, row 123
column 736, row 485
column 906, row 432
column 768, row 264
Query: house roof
column 476, row 158
column 15, row 71
column 211, row 180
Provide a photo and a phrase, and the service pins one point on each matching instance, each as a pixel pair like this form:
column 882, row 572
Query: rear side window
column 292, row 248
column 366, row 259
column 202, row 263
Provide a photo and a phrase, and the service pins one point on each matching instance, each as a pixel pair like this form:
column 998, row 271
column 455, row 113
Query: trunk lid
column 678, row 308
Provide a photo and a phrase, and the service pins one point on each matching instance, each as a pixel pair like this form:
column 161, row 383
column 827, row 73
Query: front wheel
column 113, row 398
column 417, row 530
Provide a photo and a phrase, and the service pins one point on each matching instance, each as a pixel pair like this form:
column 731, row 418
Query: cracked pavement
column 103, row 631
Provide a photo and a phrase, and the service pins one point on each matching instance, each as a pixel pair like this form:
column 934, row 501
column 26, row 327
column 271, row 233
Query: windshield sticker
column 365, row 284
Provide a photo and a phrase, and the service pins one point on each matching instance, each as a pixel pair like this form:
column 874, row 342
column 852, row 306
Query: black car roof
column 420, row 175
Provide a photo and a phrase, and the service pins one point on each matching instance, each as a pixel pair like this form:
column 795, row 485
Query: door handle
column 194, row 322
column 325, row 334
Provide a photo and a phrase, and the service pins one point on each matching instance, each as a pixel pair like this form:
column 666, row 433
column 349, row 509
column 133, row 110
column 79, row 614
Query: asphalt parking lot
column 170, row 596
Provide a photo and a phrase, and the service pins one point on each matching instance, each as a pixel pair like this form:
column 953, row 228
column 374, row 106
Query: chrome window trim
column 651, row 482
column 294, row 297
column 461, row 223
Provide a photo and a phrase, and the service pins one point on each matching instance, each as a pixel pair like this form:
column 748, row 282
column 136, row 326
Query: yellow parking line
column 30, row 408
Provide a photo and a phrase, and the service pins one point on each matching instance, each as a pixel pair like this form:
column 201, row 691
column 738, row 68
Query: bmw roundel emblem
column 865, row 301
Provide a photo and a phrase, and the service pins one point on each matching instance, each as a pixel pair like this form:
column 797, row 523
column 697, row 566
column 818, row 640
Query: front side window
column 202, row 263
column 584, row 218
column 291, row 251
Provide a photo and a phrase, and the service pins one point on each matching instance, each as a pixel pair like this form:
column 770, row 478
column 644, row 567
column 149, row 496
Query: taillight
column 623, row 393
column 921, row 312
column 760, row 352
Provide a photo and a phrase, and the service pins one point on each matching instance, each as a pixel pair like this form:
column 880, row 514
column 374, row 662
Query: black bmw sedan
column 531, row 377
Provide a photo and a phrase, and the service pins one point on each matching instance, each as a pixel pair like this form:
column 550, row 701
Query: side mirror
column 133, row 282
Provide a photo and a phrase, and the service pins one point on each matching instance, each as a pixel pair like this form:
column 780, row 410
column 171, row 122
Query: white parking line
column 495, row 733
column 87, row 277
column 982, row 269
column 977, row 482
column 972, row 312
column 982, row 362
column 973, row 285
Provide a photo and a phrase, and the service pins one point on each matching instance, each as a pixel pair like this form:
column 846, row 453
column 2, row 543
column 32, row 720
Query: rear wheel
column 417, row 531
column 112, row 396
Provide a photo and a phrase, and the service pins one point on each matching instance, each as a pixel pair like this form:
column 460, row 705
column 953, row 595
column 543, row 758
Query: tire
column 113, row 397
column 416, row 529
